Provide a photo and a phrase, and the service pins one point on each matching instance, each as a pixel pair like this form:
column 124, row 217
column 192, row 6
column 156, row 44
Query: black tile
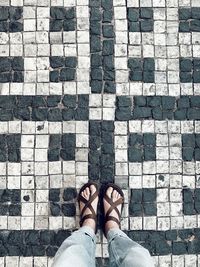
column 56, row 62
column 195, row 101
column 135, row 139
column 55, row 25
column 135, row 64
column 142, row 112
column 171, row 235
column 54, row 195
column 193, row 114
column 197, row 154
column 14, row 210
column 5, row 64
column 68, row 154
column 135, row 209
column 146, row 13
column 179, row 248
column 133, row 14
column 4, row 209
column 135, row 154
column 163, row 248
column 58, row 13
column 188, row 209
column 185, row 77
column 68, row 140
column 123, row 101
column 69, row 194
column 69, row 25
column 183, row 102
column 188, row 140
column 70, row 62
column 180, row 114
column 134, row 27
column 39, row 114
column 4, row 13
column 69, row 210
column 54, row 141
column 168, row 102
column 184, row 13
column 197, row 194
column 67, row 74
column 150, row 209
column 69, row 101
column 195, row 13
column 55, row 209
column 188, row 153
column 123, row 113
column 136, row 195
column 70, row 13
column 149, row 139
column 15, row 13
column 140, row 101
column 149, row 153
column 54, row 115
column 14, row 155
column 146, row 25
column 54, row 154
column 15, row 26
column 149, row 195
column 186, row 64
column 195, row 25
column 53, row 100
column 187, row 196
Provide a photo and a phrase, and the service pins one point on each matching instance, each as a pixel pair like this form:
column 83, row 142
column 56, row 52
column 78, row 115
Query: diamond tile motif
column 107, row 90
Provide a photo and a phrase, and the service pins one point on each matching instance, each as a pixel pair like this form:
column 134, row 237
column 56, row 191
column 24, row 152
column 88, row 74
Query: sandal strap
column 88, row 216
column 89, row 206
column 113, row 206
column 111, row 218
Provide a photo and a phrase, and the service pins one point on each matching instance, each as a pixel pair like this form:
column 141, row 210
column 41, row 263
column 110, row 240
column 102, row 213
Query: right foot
column 114, row 196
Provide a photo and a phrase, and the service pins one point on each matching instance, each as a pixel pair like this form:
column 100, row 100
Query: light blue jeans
column 78, row 250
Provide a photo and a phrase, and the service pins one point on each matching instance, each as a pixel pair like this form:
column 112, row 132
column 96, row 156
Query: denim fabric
column 79, row 250
column 124, row 252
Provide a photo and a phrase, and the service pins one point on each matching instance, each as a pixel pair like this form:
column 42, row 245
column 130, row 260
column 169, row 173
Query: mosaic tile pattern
column 107, row 90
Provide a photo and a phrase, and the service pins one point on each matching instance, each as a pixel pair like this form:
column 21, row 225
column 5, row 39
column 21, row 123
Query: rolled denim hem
column 112, row 233
column 88, row 230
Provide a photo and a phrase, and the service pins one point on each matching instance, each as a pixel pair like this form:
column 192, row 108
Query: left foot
column 87, row 193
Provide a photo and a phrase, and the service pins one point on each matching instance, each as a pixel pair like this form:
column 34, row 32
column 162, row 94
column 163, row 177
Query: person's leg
column 79, row 248
column 123, row 251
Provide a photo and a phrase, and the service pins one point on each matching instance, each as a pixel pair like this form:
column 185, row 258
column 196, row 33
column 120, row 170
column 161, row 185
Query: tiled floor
column 107, row 90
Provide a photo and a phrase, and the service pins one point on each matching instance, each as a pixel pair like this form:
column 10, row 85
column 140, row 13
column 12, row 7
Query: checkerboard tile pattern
column 106, row 90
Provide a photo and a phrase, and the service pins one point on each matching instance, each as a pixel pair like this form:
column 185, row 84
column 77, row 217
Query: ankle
column 110, row 225
column 90, row 223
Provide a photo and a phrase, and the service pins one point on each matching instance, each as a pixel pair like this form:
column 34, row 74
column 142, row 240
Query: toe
column 109, row 192
column 92, row 189
column 84, row 194
column 114, row 195
column 87, row 193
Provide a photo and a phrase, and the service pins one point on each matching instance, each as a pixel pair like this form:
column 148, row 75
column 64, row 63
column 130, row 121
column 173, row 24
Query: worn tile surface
column 107, row 90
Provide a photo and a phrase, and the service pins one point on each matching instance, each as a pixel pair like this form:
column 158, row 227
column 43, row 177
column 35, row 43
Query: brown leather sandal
column 113, row 205
column 88, row 203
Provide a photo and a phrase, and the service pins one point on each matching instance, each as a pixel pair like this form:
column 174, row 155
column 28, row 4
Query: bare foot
column 86, row 194
column 114, row 195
